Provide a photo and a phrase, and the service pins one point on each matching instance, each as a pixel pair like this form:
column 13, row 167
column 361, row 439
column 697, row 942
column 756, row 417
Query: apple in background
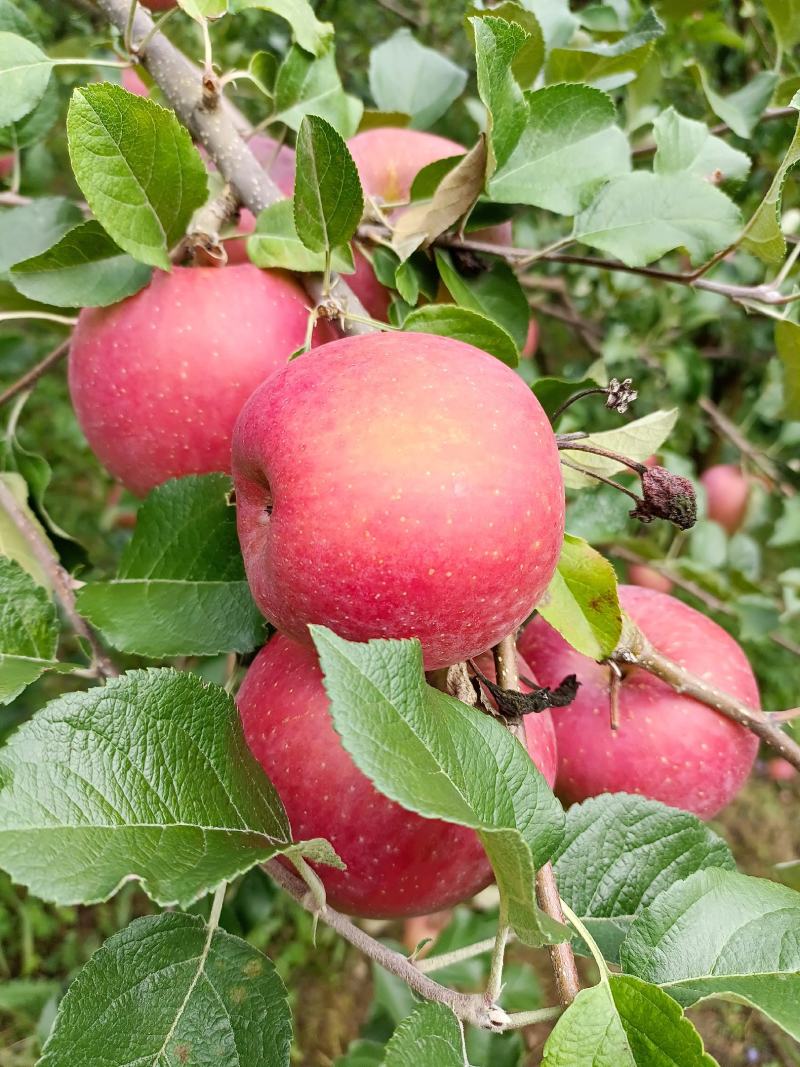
column 668, row 746
column 6, row 165
column 133, row 83
column 531, row 341
column 642, row 575
column 388, row 159
column 158, row 380
column 279, row 161
column 727, row 491
column 398, row 485
column 158, row 5
column 781, row 770
column 398, row 863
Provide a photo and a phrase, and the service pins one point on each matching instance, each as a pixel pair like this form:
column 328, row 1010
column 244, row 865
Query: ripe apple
column 388, row 159
column 158, row 380
column 727, row 491
column 133, row 83
column 531, row 341
column 668, row 746
column 642, row 575
column 398, row 863
column 398, row 485
column 6, row 165
column 158, row 5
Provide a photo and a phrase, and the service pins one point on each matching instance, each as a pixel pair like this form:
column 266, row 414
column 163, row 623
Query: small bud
column 666, row 496
column 620, row 395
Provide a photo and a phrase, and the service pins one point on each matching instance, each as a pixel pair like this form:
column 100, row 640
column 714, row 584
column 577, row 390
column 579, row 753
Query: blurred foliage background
column 683, row 348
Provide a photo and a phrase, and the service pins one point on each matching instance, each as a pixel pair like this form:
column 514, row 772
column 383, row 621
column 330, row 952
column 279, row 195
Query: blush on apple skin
column 668, row 747
column 158, row 380
column 642, row 575
column 398, row 863
column 6, row 165
column 398, row 485
column 727, row 492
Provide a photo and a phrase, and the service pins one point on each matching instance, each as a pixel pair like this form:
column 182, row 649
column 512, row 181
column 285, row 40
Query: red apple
column 531, row 341
column 6, row 165
column 158, row 5
column 727, row 491
column 158, row 380
column 398, row 863
column 644, row 576
column 781, row 770
column 133, row 83
column 388, row 159
column 398, row 485
column 668, row 746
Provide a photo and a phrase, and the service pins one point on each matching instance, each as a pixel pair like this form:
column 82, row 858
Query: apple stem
column 562, row 957
column 634, row 649
column 495, row 983
column 59, row 578
column 458, row 955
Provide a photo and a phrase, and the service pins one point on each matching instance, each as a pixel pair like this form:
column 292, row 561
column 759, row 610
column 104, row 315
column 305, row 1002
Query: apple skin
column 398, row 863
column 531, row 341
column 6, row 165
column 158, row 5
column 415, row 491
column 727, row 491
column 668, row 747
column 642, row 575
column 280, row 161
column 388, row 159
column 158, row 380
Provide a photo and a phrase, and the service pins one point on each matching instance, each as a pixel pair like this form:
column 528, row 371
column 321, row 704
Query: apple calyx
column 513, row 705
column 666, row 496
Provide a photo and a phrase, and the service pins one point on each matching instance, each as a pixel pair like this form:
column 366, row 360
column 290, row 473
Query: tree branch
column 210, row 121
column 36, row 372
column 730, row 430
column 469, row 1007
column 634, row 649
column 562, row 957
column 59, row 579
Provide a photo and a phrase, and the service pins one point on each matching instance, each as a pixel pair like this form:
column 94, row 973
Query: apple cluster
column 387, row 485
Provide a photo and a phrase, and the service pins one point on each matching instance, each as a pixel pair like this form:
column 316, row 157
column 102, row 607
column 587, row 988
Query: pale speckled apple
column 398, row 863
column 727, row 492
column 668, row 747
column 388, row 159
column 398, row 485
column 158, row 380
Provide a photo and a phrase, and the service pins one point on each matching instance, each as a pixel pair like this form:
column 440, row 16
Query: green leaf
column 742, row 109
column 27, row 996
column 14, row 20
column 168, row 991
column 607, row 65
column 553, row 392
column 640, row 217
column 263, row 67
column 497, row 43
column 494, row 292
column 762, row 234
column 721, row 934
column 569, row 148
column 430, row 1037
column 637, row 440
column 83, row 269
column 529, row 58
column 137, row 167
column 36, row 124
column 201, row 10
column 418, row 81
column 787, row 344
column 311, row 34
column 428, row 180
column 688, row 146
column 12, row 543
column 28, row 230
column 448, row 320
column 624, row 1021
column 442, row 759
column 148, row 777
column 453, row 200
column 28, row 630
column 309, row 86
column 181, row 588
column 24, row 75
column 581, row 601
column 785, row 17
column 328, row 200
column 638, row 848
column 275, row 243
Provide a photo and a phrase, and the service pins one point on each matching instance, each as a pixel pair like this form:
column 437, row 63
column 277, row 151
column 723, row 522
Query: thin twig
column 30, row 377
column 59, row 579
column 634, row 649
column 562, row 957
column 458, row 955
column 470, row 1007
column 730, row 430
